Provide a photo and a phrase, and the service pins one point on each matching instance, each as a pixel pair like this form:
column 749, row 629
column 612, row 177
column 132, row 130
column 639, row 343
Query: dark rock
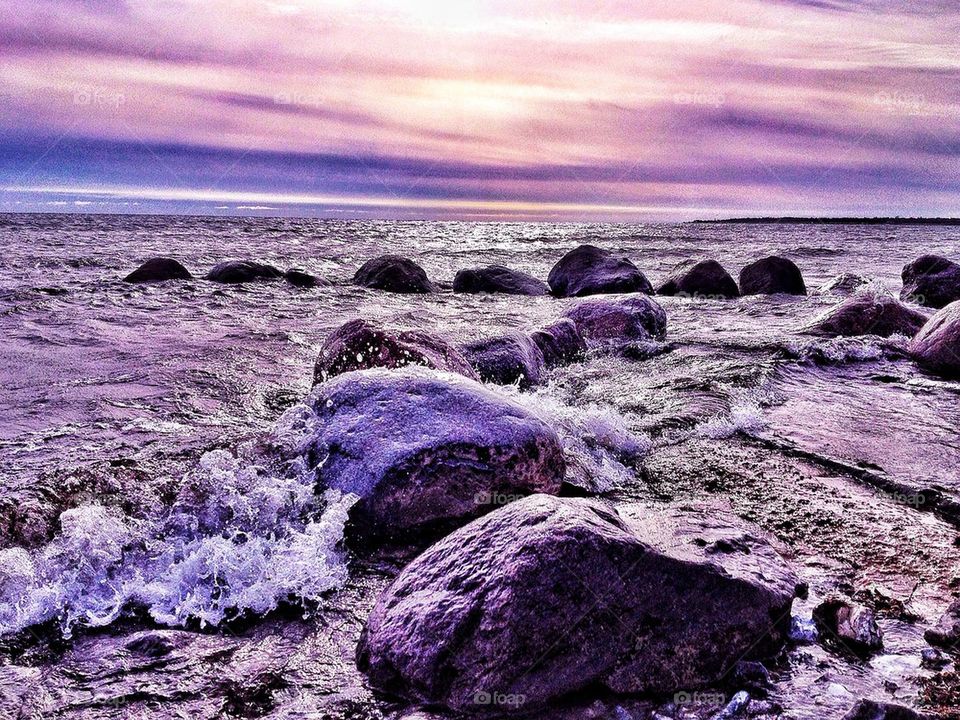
column 753, row 676
column 872, row 710
column 844, row 284
column 424, row 452
column 589, row 270
column 242, row 271
column 620, row 320
column 299, row 278
column 868, row 313
column 512, row 359
column 150, row 644
column 359, row 345
column 770, row 276
column 498, row 279
column 946, row 633
column 851, row 627
column 705, row 279
column 933, row 659
column 931, row 280
column 937, row 346
column 560, row 343
column 549, row 596
column 158, row 269
column 394, row 274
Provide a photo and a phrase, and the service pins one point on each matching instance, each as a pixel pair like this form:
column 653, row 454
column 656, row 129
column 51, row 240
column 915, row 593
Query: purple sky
column 571, row 109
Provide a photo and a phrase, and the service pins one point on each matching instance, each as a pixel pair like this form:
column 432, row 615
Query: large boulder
column 498, row 279
column 425, row 452
column 242, row 271
column 549, row 596
column 359, row 345
column 394, row 274
column 937, row 346
column 772, row 275
column 946, row 633
column 158, row 269
column 705, row 279
column 511, row 359
column 868, row 313
column 589, row 270
column 621, row 320
column 931, row 280
column 873, row 710
column 561, row 343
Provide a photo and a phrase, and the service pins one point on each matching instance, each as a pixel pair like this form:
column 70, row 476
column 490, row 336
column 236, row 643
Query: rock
column 931, row 280
column 548, row 596
column 394, row 274
column 770, row 276
column 937, row 346
column 946, row 633
column 159, row 269
column 753, row 676
column 844, row 284
column 852, row 627
column 868, row 313
column 512, row 359
column 560, row 343
column 705, row 279
column 589, row 270
column 737, row 707
column 425, row 452
column 359, row 345
column 621, row 320
column 299, row 278
column 242, row 271
column 933, row 659
column 498, row 279
column 872, row 710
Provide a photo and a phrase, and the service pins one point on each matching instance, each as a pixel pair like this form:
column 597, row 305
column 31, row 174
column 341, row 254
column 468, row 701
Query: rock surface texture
column 589, row 270
column 868, row 313
column 605, row 321
column 937, row 346
column 931, row 280
column 498, row 279
column 394, row 273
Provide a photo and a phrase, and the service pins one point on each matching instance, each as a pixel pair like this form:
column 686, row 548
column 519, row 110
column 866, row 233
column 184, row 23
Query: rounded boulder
column 511, row 359
column 620, row 320
column 498, row 279
column 704, row 279
column 394, row 273
column 936, row 346
column 868, row 313
column 234, row 272
column 589, row 270
column 931, row 280
column 770, row 276
column 159, row 269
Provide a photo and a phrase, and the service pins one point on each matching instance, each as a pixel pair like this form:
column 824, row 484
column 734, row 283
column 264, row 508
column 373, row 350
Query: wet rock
column 299, row 278
column 946, row 633
column 620, row 320
column 803, row 631
column 150, row 644
column 159, row 269
column 931, row 280
column 737, row 707
column 844, row 284
column 560, row 343
column 242, row 271
column 704, row 279
column 426, row 452
column 549, row 596
column 753, row 676
column 394, row 273
column 512, row 359
column 851, row 627
column 868, row 313
column 589, row 270
column 872, row 710
column 933, row 659
column 498, row 279
column 937, row 346
column 359, row 345
column 772, row 275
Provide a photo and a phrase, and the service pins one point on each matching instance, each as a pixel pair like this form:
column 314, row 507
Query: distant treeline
column 834, row 221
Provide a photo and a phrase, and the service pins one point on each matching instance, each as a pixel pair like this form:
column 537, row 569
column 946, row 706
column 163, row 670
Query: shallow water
column 143, row 379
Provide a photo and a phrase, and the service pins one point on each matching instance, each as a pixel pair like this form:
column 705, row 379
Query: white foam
column 745, row 416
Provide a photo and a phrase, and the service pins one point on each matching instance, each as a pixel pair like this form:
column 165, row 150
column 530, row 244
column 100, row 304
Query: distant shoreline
column 830, row 221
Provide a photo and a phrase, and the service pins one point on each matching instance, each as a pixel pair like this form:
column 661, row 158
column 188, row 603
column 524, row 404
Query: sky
column 532, row 110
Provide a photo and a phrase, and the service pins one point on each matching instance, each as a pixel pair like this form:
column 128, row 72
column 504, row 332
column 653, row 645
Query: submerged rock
column 620, row 320
column 772, row 275
column 589, row 270
column 512, row 359
column 849, row 626
column 844, row 284
column 242, row 271
column 937, row 346
column 359, row 345
column 299, row 278
column 550, row 596
column 931, row 280
column 704, row 279
column 872, row 710
column 394, row 273
column 426, row 452
column 946, row 633
column 498, row 279
column 868, row 313
column 159, row 269
column 560, row 343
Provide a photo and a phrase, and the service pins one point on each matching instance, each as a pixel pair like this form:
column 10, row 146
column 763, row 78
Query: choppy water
column 96, row 371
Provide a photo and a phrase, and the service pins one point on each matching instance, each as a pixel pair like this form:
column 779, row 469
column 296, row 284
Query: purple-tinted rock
column 873, row 710
column 946, row 633
column 242, row 271
column 560, row 343
column 549, row 596
column 159, row 269
column 299, row 278
column 426, row 452
column 868, row 313
column 394, row 273
column 359, row 345
column 844, row 284
column 589, row 270
column 936, row 346
column 512, row 359
column 704, row 279
column 498, row 279
column 620, row 320
column 770, row 276
column 849, row 626
column 931, row 280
